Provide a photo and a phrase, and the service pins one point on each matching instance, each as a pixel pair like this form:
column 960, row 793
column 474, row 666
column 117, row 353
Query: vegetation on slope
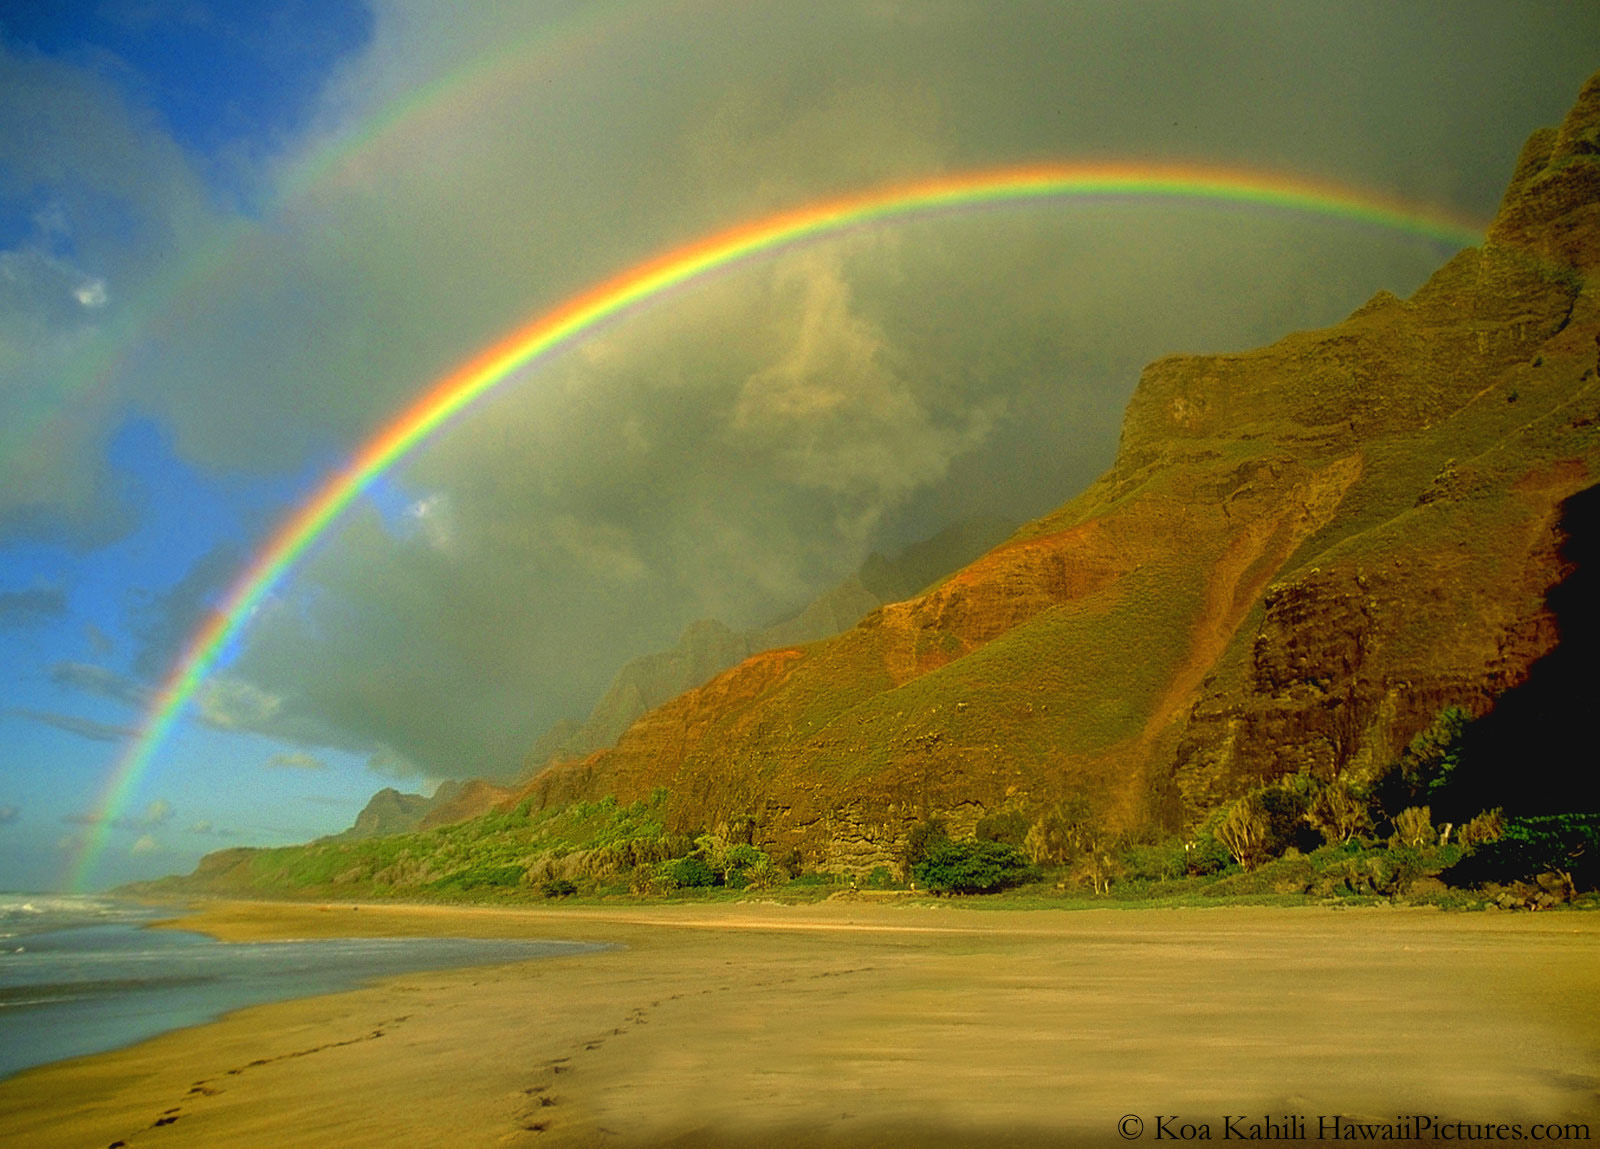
column 1296, row 839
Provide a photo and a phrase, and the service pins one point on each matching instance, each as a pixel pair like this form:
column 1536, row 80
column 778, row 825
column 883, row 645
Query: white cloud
column 146, row 844
column 91, row 293
column 231, row 703
column 295, row 760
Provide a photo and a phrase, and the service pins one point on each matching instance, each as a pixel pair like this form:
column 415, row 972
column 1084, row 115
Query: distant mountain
column 1301, row 555
column 389, row 812
column 386, row 812
column 708, row 647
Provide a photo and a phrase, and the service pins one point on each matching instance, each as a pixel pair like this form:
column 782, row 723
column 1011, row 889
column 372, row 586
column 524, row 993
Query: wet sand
column 866, row 1024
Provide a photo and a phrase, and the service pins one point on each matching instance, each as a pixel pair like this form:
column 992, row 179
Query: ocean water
column 79, row 975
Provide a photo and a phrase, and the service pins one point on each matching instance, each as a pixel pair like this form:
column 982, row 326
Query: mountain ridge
column 1301, row 554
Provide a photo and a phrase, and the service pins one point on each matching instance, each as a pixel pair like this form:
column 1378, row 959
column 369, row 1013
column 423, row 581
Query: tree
column 921, row 838
column 1339, row 811
column 1413, row 826
column 688, row 872
column 1426, row 769
column 1245, row 832
column 971, row 867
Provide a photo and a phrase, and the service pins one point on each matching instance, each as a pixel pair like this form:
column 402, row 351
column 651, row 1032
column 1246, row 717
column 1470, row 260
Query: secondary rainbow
column 653, row 279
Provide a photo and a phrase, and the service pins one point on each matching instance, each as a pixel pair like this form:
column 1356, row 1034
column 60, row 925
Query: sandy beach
column 853, row 1023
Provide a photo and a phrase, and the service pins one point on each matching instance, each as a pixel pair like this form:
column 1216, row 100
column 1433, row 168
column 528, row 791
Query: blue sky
column 237, row 239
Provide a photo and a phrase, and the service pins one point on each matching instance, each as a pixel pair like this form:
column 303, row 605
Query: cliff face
column 708, row 647
column 1301, row 554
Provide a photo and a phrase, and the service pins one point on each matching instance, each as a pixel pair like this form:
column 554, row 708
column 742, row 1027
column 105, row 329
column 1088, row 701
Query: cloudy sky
column 238, row 239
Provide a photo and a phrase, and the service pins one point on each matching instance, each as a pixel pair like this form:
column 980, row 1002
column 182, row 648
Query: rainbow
column 653, row 280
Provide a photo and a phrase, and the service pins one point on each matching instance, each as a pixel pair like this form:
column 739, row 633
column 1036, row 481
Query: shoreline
column 859, row 1023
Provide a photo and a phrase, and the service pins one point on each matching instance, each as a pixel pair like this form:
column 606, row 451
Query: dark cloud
column 35, row 605
column 73, row 724
column 744, row 442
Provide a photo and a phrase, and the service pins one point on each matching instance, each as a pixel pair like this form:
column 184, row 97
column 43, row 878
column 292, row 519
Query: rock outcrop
column 1301, row 554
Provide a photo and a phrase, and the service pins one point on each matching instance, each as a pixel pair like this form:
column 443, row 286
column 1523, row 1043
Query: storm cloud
column 740, row 445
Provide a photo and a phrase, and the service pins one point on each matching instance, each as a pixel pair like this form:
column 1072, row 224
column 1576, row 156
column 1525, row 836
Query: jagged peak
column 1552, row 206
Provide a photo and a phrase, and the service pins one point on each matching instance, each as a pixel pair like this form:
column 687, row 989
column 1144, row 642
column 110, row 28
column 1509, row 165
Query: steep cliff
column 708, row 647
column 1301, row 554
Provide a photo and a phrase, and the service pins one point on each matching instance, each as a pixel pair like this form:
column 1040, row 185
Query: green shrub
column 972, row 867
column 1567, row 844
column 1147, row 862
column 1245, row 831
column 558, row 888
column 1425, row 771
column 688, row 873
column 1205, row 856
column 1483, row 828
column 880, row 878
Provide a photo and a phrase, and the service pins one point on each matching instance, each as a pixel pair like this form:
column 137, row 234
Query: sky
column 237, row 240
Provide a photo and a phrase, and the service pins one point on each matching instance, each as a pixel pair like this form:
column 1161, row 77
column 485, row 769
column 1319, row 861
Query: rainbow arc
column 652, row 281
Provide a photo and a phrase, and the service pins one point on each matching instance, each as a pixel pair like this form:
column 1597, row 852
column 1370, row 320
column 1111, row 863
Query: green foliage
column 479, row 877
column 1244, row 831
column 1063, row 832
column 558, row 888
column 743, row 857
column 1204, row 856
column 972, row 867
column 1340, row 811
column 1567, row 844
column 922, row 838
column 688, row 873
column 1426, row 770
column 880, row 879
column 1157, row 862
